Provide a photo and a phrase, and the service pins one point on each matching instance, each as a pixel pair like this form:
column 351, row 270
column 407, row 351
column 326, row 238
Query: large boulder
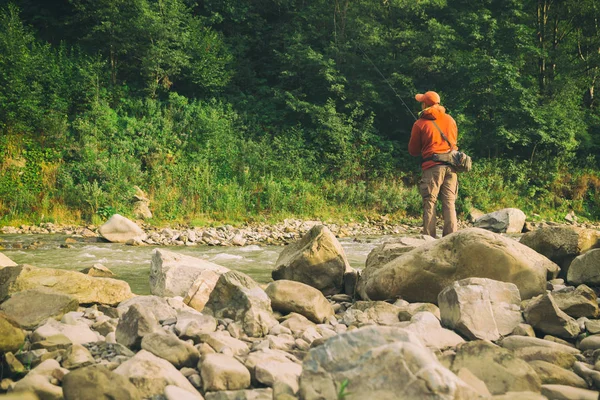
column 421, row 274
column 79, row 333
column 169, row 347
column 507, row 220
column 562, row 244
column 289, row 296
column 585, row 269
column 317, row 260
column 481, row 308
column 97, row 382
column 173, row 274
column 31, row 308
column 430, row 332
column 86, row 289
column 136, row 323
column 223, row 372
column 394, row 248
column 500, row 370
column 119, row 229
column 150, row 374
column 154, row 304
column 577, row 302
column 544, row 315
column 240, row 298
column 12, row 336
column 381, row 363
column 6, row 262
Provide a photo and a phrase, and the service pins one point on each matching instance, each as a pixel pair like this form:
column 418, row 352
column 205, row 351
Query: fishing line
column 386, row 81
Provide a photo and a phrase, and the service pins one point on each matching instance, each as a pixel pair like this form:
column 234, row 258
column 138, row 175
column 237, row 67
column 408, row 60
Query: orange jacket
column 425, row 138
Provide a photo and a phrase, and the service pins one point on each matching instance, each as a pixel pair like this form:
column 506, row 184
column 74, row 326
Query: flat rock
column 155, row 304
column 223, row 372
column 577, row 302
column 32, row 307
column 97, row 382
column 562, row 392
column 290, row 296
column 169, row 347
column 553, row 374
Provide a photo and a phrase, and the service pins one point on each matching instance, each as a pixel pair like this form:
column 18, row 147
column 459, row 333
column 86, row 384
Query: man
column 438, row 178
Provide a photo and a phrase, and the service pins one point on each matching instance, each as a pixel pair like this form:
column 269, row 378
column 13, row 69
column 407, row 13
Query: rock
column 421, row 274
column 521, row 342
column 221, row 342
column 371, row 312
column 240, row 298
column 553, row 374
column 544, row 315
column 296, row 323
column 378, row 363
column 289, row 296
column 507, row 220
column 394, row 248
column 79, row 333
column 553, row 356
column 255, row 394
column 6, row 262
column 52, row 343
column 585, row 269
column 77, row 356
column 39, row 381
column 136, row 323
column 317, row 260
column 154, row 304
column 141, row 210
column 497, row 367
column 12, row 336
column 577, row 302
column 86, row 289
column 199, row 293
column 523, row 330
column 173, row 274
column 192, row 325
column 150, row 374
column 589, row 343
column 223, row 372
column 562, row 392
column 97, row 382
column 98, row 271
column 520, row 396
column 119, row 229
column 30, row 308
column 169, row 347
column 470, row 379
column 480, row 308
column 409, row 310
column 429, row 330
column 561, row 244
column 271, row 366
column 176, row 393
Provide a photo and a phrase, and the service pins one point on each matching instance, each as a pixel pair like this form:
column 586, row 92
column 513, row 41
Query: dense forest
column 229, row 110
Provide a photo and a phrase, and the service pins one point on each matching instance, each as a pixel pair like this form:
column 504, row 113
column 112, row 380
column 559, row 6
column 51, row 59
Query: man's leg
column 429, row 187
column 448, row 195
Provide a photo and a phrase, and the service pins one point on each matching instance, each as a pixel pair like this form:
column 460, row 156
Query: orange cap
column 429, row 98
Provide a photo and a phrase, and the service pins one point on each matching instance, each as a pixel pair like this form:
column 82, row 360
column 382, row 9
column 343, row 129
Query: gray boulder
column 136, row 323
column 577, row 302
column 154, row 304
column 544, row 315
column 317, row 260
column 119, row 229
column 289, row 296
column 507, row 220
column 585, row 269
column 421, row 274
column 394, row 248
column 33, row 307
column 481, row 308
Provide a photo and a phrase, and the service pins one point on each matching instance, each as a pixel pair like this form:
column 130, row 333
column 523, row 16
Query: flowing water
column 132, row 263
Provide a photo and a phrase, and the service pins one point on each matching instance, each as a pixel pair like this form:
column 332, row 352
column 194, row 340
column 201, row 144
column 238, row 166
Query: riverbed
column 132, row 263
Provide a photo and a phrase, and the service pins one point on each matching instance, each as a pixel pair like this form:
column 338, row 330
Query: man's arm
column 414, row 145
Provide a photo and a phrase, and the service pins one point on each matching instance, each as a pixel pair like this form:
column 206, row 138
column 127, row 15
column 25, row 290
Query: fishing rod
column 386, row 81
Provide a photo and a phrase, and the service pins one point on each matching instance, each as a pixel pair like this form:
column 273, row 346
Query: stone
column 223, row 372
column 271, row 372
column 553, row 374
column 12, row 367
column 77, row 356
column 421, row 274
column 30, row 308
column 520, row 396
column 239, row 297
column 254, row 394
column 97, row 382
column 317, row 260
column 53, row 343
column 98, row 271
column 199, row 293
column 431, row 333
column 544, row 315
column 289, row 296
column 523, row 330
column 497, row 367
column 371, row 312
column 6, row 262
column 169, row 347
column 134, row 325
column 296, row 323
column 267, row 358
column 191, row 325
column 589, row 343
column 507, row 220
column 41, row 379
column 119, row 229
column 480, row 308
column 221, row 341
column 520, row 342
column 176, row 393
column 378, row 362
column 562, row 392
column 156, row 305
column 86, row 289
column 12, row 336
column 80, row 333
column 394, row 248
column 407, row 311
column 577, row 302
column 553, row 356
column 173, row 274
column 150, row 374
column 469, row 378
column 585, row 269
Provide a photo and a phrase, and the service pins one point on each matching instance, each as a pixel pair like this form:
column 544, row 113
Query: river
column 132, row 263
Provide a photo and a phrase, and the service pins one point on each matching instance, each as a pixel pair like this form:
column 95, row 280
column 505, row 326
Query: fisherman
column 438, row 178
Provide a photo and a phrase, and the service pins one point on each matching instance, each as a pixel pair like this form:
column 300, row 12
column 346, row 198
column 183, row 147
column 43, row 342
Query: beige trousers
column 440, row 180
